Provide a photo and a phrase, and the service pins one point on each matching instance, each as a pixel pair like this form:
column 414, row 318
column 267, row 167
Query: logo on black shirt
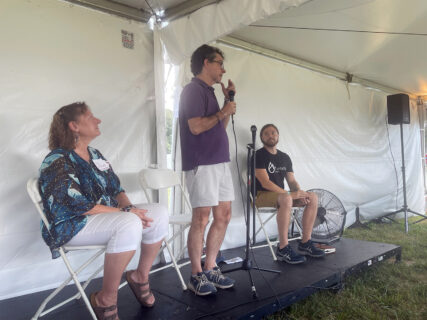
column 273, row 169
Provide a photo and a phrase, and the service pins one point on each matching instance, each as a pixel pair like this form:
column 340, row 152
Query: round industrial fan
column 330, row 219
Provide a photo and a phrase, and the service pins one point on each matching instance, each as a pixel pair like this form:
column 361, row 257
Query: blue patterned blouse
column 70, row 186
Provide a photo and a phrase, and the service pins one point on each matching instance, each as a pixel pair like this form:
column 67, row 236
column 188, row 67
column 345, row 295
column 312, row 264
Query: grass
column 389, row 290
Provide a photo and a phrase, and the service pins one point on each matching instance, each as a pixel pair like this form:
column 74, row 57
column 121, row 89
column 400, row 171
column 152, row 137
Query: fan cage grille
column 330, row 220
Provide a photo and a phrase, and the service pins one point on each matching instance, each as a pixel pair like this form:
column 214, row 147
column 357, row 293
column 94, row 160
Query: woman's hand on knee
column 141, row 214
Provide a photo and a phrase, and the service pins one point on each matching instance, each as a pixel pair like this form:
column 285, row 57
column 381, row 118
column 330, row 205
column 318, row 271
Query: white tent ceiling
column 383, row 41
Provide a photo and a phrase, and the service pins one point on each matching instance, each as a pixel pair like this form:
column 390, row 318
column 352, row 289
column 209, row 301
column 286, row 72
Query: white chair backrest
column 33, row 192
column 156, row 179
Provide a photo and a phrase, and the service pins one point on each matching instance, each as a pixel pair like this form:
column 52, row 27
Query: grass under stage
column 389, row 290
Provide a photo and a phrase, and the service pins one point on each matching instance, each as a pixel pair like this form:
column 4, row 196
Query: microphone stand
column 247, row 263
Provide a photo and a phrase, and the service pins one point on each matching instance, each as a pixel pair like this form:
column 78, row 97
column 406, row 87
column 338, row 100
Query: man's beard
column 271, row 143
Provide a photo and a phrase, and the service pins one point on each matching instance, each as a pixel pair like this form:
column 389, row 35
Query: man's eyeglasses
column 221, row 63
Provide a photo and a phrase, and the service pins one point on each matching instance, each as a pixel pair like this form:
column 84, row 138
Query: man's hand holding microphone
column 229, row 107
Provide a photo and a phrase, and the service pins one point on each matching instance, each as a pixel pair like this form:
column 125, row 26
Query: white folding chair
column 264, row 215
column 156, row 179
column 33, row 192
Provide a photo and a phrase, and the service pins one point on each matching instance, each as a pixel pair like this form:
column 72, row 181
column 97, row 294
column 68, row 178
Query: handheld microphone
column 253, row 129
column 231, row 94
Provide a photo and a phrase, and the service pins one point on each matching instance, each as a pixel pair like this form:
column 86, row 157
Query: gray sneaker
column 218, row 279
column 288, row 255
column 310, row 249
column 200, row 285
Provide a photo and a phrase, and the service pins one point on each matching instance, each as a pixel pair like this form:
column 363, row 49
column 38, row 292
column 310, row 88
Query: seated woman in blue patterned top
column 85, row 205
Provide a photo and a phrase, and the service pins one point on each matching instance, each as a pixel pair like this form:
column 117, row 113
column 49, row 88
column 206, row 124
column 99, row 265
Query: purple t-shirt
column 209, row 147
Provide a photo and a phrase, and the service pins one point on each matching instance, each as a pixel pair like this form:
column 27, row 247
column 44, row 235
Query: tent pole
column 114, row 8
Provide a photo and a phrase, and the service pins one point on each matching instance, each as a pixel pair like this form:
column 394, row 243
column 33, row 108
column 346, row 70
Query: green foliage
column 389, row 290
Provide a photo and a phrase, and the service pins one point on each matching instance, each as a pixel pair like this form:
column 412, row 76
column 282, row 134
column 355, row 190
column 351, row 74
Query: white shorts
column 207, row 185
column 123, row 231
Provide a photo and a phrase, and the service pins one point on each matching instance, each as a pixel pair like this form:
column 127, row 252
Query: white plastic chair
column 271, row 212
column 33, row 191
column 156, row 179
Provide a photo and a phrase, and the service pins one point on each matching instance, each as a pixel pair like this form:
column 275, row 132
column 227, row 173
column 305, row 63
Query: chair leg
column 270, row 245
column 73, row 276
column 40, row 312
column 184, row 286
column 294, row 224
column 172, row 239
column 84, row 265
column 91, row 278
column 77, row 283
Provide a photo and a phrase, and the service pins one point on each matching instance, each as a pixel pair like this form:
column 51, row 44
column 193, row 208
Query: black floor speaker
column 398, row 109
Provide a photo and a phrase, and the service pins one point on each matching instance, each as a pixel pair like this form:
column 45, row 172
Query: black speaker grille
column 398, row 109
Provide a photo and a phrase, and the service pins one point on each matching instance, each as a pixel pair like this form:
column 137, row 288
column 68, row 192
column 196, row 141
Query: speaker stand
column 405, row 209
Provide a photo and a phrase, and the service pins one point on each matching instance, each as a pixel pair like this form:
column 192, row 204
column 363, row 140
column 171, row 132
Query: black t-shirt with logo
column 277, row 165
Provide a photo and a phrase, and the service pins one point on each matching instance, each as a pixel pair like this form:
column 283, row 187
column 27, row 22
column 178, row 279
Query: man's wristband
column 127, row 208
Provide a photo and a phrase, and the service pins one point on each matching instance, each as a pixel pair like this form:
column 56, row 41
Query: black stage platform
column 295, row 283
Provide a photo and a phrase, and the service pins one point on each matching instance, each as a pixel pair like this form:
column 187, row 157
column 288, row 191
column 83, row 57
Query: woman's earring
column 76, row 138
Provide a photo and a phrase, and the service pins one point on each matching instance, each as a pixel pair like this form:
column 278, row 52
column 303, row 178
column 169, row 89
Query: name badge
column 101, row 164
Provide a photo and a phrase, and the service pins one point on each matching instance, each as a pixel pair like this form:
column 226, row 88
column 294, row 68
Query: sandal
column 100, row 311
column 141, row 295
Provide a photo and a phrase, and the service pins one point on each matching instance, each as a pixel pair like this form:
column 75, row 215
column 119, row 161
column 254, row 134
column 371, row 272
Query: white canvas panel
column 182, row 36
column 52, row 54
column 338, row 140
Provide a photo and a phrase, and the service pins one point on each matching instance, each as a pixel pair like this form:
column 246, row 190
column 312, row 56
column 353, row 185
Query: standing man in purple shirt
column 205, row 160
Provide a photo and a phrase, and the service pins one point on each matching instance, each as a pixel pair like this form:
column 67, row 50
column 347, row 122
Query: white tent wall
column 336, row 136
column 175, row 42
column 338, row 140
column 52, row 54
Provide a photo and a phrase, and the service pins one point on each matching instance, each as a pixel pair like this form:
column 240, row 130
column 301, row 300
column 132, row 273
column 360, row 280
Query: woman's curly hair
column 60, row 135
